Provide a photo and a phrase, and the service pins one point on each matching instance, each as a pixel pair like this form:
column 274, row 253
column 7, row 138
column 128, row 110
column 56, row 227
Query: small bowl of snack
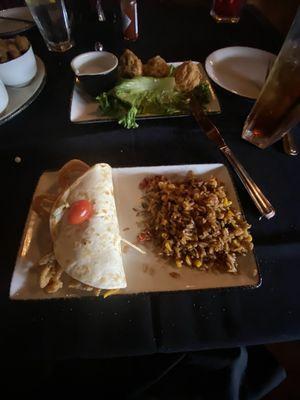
column 17, row 61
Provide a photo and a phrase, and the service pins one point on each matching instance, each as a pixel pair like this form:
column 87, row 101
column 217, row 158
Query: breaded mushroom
column 13, row 51
column 187, row 76
column 22, row 43
column 3, row 56
column 13, row 48
column 3, row 45
column 130, row 65
column 156, row 67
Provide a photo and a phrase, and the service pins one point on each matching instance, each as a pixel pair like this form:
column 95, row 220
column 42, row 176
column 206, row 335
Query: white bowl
column 19, row 71
column 94, row 63
column 97, row 71
column 3, row 97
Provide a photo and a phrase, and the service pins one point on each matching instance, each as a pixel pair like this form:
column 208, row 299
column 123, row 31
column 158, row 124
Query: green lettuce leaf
column 146, row 95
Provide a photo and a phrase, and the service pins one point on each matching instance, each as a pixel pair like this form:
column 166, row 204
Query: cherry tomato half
column 79, row 212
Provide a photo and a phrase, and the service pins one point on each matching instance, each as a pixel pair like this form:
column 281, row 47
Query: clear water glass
column 54, row 23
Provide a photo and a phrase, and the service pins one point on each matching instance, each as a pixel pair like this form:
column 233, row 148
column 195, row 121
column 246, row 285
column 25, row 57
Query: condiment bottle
column 129, row 19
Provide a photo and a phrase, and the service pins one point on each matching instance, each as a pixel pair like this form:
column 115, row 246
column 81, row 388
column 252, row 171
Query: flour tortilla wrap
column 90, row 252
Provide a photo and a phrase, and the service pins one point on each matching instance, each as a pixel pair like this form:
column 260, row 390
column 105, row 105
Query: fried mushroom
column 3, row 56
column 156, row 67
column 22, row 43
column 187, row 76
column 130, row 65
column 13, row 48
column 3, row 45
column 13, row 51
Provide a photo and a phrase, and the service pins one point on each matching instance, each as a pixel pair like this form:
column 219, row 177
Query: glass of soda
column 227, row 10
column 277, row 108
column 53, row 20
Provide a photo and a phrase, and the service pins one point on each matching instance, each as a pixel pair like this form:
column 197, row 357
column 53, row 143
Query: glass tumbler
column 277, row 108
column 53, row 21
column 227, row 10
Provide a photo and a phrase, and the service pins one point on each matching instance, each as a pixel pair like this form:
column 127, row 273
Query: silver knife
column 262, row 203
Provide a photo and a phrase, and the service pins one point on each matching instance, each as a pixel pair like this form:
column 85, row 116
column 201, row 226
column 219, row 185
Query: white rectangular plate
column 144, row 273
column 84, row 109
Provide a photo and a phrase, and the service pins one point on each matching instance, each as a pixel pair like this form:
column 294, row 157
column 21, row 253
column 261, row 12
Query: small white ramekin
column 19, row 71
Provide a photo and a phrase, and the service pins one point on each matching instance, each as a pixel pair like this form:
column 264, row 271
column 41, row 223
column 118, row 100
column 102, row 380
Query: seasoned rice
column 193, row 223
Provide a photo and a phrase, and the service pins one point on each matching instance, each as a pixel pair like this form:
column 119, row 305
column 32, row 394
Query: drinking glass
column 277, row 108
column 53, row 21
column 227, row 10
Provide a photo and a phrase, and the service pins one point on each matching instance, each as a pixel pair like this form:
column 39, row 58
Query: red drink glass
column 227, row 10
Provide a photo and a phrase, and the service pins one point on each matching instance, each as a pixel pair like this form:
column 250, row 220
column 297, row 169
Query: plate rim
column 212, row 76
column 20, row 30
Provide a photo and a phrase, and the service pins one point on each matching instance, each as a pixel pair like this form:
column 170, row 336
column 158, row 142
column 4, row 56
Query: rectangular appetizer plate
column 85, row 109
column 144, row 273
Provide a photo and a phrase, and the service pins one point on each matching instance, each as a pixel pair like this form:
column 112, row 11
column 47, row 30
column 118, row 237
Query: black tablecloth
column 44, row 138
column 229, row 374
